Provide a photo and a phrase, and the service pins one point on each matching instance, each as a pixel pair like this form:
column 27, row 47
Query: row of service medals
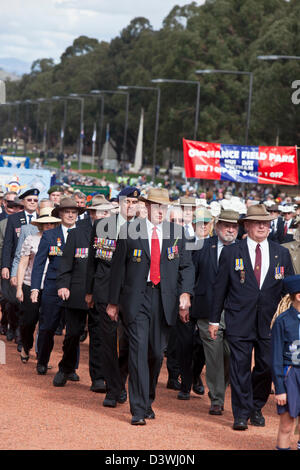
column 173, row 252
column 279, row 272
column 81, row 252
column 55, row 250
column 105, row 248
column 239, row 266
column 137, row 256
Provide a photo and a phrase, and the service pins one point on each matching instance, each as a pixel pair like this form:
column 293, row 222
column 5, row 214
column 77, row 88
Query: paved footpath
column 35, row 415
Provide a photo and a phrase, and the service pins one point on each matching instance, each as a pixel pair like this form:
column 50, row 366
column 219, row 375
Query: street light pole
column 157, row 90
column 192, row 82
column 98, row 92
column 74, row 96
column 236, row 72
column 63, row 126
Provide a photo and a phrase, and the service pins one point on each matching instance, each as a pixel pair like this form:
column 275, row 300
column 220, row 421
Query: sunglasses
column 11, row 204
column 29, row 199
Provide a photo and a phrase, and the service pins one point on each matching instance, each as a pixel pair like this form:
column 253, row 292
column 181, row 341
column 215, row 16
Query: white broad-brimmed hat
column 45, row 217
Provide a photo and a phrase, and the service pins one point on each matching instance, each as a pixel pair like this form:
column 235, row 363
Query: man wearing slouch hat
column 249, row 287
column 151, row 281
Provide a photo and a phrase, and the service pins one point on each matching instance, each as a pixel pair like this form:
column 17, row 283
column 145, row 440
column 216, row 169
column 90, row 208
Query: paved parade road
column 37, row 416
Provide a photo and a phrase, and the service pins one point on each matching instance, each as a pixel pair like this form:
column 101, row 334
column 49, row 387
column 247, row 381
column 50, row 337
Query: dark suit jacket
column 72, row 269
column 248, row 309
column 128, row 278
column 289, row 237
column 278, row 234
column 206, row 268
column 14, row 222
column 50, row 238
column 98, row 271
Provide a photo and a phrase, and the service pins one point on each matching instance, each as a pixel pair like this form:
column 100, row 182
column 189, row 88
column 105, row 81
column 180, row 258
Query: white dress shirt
column 159, row 232
column 188, row 228
column 28, row 220
column 265, row 257
column 65, row 231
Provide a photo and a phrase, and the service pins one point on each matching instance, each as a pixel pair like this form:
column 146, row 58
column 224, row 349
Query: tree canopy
column 220, row 34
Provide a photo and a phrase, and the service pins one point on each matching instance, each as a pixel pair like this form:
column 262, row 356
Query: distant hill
column 14, row 66
column 8, row 76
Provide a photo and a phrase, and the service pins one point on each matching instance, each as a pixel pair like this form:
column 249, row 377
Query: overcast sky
column 34, row 29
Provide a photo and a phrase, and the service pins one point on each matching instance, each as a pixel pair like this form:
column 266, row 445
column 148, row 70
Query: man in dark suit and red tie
column 152, row 280
column 249, row 286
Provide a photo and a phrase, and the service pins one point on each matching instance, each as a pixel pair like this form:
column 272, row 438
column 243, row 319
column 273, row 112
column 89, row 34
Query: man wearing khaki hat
column 249, row 286
column 206, row 261
column 72, row 272
column 51, row 248
column 151, row 280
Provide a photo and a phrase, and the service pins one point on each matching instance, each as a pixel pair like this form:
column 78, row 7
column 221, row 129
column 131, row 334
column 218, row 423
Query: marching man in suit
column 249, row 286
column 71, row 285
column 50, row 250
column 114, row 344
column 206, row 262
column 152, row 279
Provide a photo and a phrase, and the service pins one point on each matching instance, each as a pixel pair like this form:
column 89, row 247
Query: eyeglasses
column 29, row 199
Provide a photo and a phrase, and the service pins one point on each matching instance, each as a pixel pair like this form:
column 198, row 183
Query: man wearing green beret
column 55, row 193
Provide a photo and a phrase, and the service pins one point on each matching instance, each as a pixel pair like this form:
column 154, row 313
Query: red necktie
column 285, row 228
column 155, row 258
column 257, row 266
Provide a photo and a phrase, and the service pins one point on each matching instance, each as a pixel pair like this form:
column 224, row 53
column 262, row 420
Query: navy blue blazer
column 206, row 268
column 52, row 241
column 248, row 309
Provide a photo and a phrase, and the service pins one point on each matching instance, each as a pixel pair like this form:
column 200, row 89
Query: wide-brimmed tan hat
column 45, row 217
column 228, row 215
column 257, row 212
column 273, row 208
column 202, row 215
column 67, row 203
column 157, row 196
column 99, row 202
column 186, row 201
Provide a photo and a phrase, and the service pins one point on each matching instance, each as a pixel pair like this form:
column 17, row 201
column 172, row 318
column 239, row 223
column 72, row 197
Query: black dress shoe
column 122, row 397
column 19, row 347
column 257, row 419
column 98, row 386
column 109, row 402
column 149, row 413
column 215, row 410
column 183, row 395
column 135, row 421
column 198, row 387
column 41, row 369
column 73, row 377
column 174, row 384
column 60, row 379
column 240, row 425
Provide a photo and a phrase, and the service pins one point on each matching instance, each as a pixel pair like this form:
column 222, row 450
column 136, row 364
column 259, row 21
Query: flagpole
column 94, row 145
